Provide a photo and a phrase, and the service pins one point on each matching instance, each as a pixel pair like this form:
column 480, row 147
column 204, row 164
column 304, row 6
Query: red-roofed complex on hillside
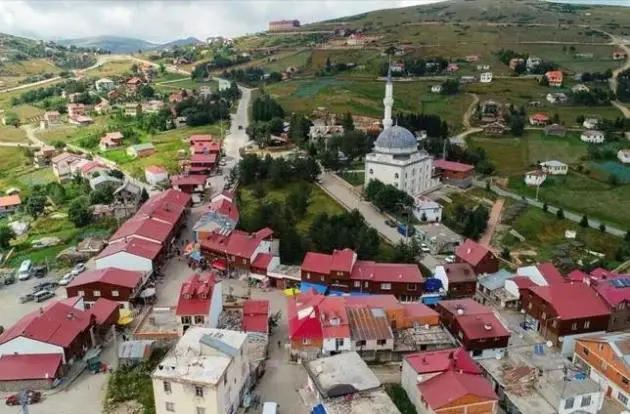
column 564, row 309
column 476, row 326
column 200, row 302
column 447, row 381
column 119, row 285
column 205, row 147
column 455, row 173
column 341, row 271
column 203, row 164
column 615, row 292
column 478, row 256
column 256, row 316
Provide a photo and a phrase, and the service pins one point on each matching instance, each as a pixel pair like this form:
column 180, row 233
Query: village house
column 539, row 119
column 516, row 62
column 110, row 140
column 478, row 256
column 341, row 271
column 207, row 371
column 193, row 184
column 495, row 128
column 43, row 157
column 605, row 359
column 446, row 381
column 222, row 213
column 8, row 204
column 356, row 39
column 132, row 109
column 590, row 123
column 426, row 210
column 553, row 167
column 102, row 108
column 557, row 98
column 344, row 384
column 200, row 302
column 153, row 106
column 593, row 136
column 535, row 178
column 436, row 89
column 454, row 173
column 555, row 78
column 562, row 310
column 472, row 58
column 467, row 79
column 155, row 175
column 458, row 280
column 28, row 372
column 493, row 290
column 199, row 145
column 532, row 63
column 235, row 252
column 541, row 274
column 485, row 77
column 615, row 292
column 133, row 253
column 75, row 110
column 140, row 150
column 318, row 132
column 479, row 330
column 282, row 25
column 66, row 164
column 133, row 85
column 113, row 95
column 624, row 155
column 92, row 169
column 580, row 88
column 619, row 54
column 256, row 316
column 555, row 130
column 51, row 120
column 104, row 85
column 119, row 285
column 490, row 111
column 452, row 68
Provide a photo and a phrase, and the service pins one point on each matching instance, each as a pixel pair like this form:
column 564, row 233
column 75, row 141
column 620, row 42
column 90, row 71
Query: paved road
column 569, row 215
column 338, row 190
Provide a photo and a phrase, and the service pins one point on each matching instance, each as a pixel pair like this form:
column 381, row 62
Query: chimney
column 468, row 251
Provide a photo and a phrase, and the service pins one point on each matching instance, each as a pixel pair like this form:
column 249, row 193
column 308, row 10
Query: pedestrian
column 279, row 344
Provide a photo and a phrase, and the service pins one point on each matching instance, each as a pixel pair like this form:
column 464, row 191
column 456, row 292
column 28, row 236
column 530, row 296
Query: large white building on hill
column 395, row 158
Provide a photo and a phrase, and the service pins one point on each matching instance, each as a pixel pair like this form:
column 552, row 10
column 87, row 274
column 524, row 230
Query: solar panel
column 618, row 283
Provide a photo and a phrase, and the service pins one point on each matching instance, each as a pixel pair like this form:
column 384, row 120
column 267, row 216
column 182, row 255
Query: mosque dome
column 396, row 139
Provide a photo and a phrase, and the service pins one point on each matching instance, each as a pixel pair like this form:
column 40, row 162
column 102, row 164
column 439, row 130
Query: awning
column 332, row 292
column 125, row 317
column 147, row 293
column 291, row 292
column 219, row 264
column 196, row 256
column 306, row 286
column 262, row 278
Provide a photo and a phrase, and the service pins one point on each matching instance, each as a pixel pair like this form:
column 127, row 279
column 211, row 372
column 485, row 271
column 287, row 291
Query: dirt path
column 619, row 42
column 495, row 215
column 470, row 111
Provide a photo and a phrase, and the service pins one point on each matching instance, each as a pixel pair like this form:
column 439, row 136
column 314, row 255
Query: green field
column 111, row 69
column 12, row 134
column 184, row 83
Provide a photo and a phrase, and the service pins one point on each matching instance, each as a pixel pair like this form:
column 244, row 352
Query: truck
column 406, row 230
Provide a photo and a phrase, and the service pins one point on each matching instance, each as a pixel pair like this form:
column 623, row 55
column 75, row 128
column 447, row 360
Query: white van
column 24, row 272
column 270, row 408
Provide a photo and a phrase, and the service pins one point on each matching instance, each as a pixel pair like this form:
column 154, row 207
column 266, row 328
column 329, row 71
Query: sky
column 162, row 21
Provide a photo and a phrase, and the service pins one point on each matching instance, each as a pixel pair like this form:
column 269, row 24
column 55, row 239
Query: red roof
column 185, row 179
column 264, row 233
column 373, row 301
column 554, row 75
column 15, row 367
column 204, row 158
column 242, row 244
column 11, row 200
column 134, row 246
column 262, row 260
column 110, row 276
column 226, row 208
column 572, row 300
column 90, row 166
column 201, row 138
column 145, row 228
column 154, row 169
column 342, row 260
column 304, row 317
column 334, row 318
column 386, row 272
column 539, row 116
column 464, row 307
column 550, row 273
column 205, row 147
column 600, row 273
column 484, row 326
column 452, row 166
column 459, row 272
column 195, row 295
column 523, row 282
column 577, row 276
column 454, row 359
column 317, row 263
column 471, row 252
column 418, row 310
column 103, row 309
column 612, row 291
column 168, row 206
column 449, row 387
column 256, row 316
column 57, row 324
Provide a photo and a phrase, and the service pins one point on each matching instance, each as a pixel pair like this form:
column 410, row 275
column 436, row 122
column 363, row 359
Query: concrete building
column 200, row 302
column 553, row 167
column 535, row 178
column 426, row 210
column 207, row 372
column 593, row 136
column 396, row 159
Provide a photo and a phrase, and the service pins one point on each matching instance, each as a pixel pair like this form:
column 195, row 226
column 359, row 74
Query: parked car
column 449, row 259
column 40, row 271
column 29, row 297
column 240, row 127
column 44, row 284
column 66, row 279
column 24, row 272
column 30, row 396
column 43, row 295
column 425, row 248
column 391, row 223
column 406, row 231
column 8, row 278
column 78, row 268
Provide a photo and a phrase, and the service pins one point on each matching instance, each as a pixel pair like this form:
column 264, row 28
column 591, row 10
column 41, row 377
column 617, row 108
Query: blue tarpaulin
column 355, row 293
column 305, row 287
column 318, row 409
column 196, row 256
column 332, row 292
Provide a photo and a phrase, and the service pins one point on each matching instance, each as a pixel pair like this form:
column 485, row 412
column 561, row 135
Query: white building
column 325, row 131
column 436, row 88
column 532, row 63
column 554, row 167
column 535, row 178
column 557, row 98
column 206, row 373
column 396, row 159
column 580, row 88
column 624, row 155
column 590, row 123
column 593, row 136
column 131, row 254
column 104, row 85
column 427, row 210
column 485, row 77
column 155, row 174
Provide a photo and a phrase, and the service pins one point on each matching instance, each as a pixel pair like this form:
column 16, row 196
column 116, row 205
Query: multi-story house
column 236, row 251
column 615, row 292
column 562, row 310
column 476, row 326
column 66, row 164
column 112, row 283
column 606, row 360
column 200, row 302
column 478, row 256
column 207, row 372
column 458, row 280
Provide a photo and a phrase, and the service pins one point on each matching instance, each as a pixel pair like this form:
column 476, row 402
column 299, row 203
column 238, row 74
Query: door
column 609, row 391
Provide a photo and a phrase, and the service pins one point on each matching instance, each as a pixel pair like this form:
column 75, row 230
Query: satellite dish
column 498, row 357
column 549, row 344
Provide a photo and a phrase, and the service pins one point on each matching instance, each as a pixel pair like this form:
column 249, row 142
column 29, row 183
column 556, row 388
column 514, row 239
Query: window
column 96, row 293
column 199, row 320
column 585, row 350
column 306, row 341
column 371, row 171
column 587, row 324
column 624, row 380
column 586, row 401
column 386, row 286
column 574, row 326
column 170, row 406
column 167, row 386
column 338, row 342
column 554, row 323
column 366, row 284
column 225, row 380
column 396, row 175
column 529, row 306
column 477, row 352
column 604, row 365
column 381, row 342
column 308, row 276
column 81, row 293
column 621, row 306
column 569, row 403
column 621, row 397
column 411, row 286
column 543, row 316
column 115, row 293
column 201, row 410
column 360, row 343
column 186, row 320
column 244, row 261
column 357, row 283
column 199, row 391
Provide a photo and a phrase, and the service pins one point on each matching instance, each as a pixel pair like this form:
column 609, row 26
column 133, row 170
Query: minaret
column 388, row 101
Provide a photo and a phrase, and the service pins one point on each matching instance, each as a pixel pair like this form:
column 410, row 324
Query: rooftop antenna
column 444, row 149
